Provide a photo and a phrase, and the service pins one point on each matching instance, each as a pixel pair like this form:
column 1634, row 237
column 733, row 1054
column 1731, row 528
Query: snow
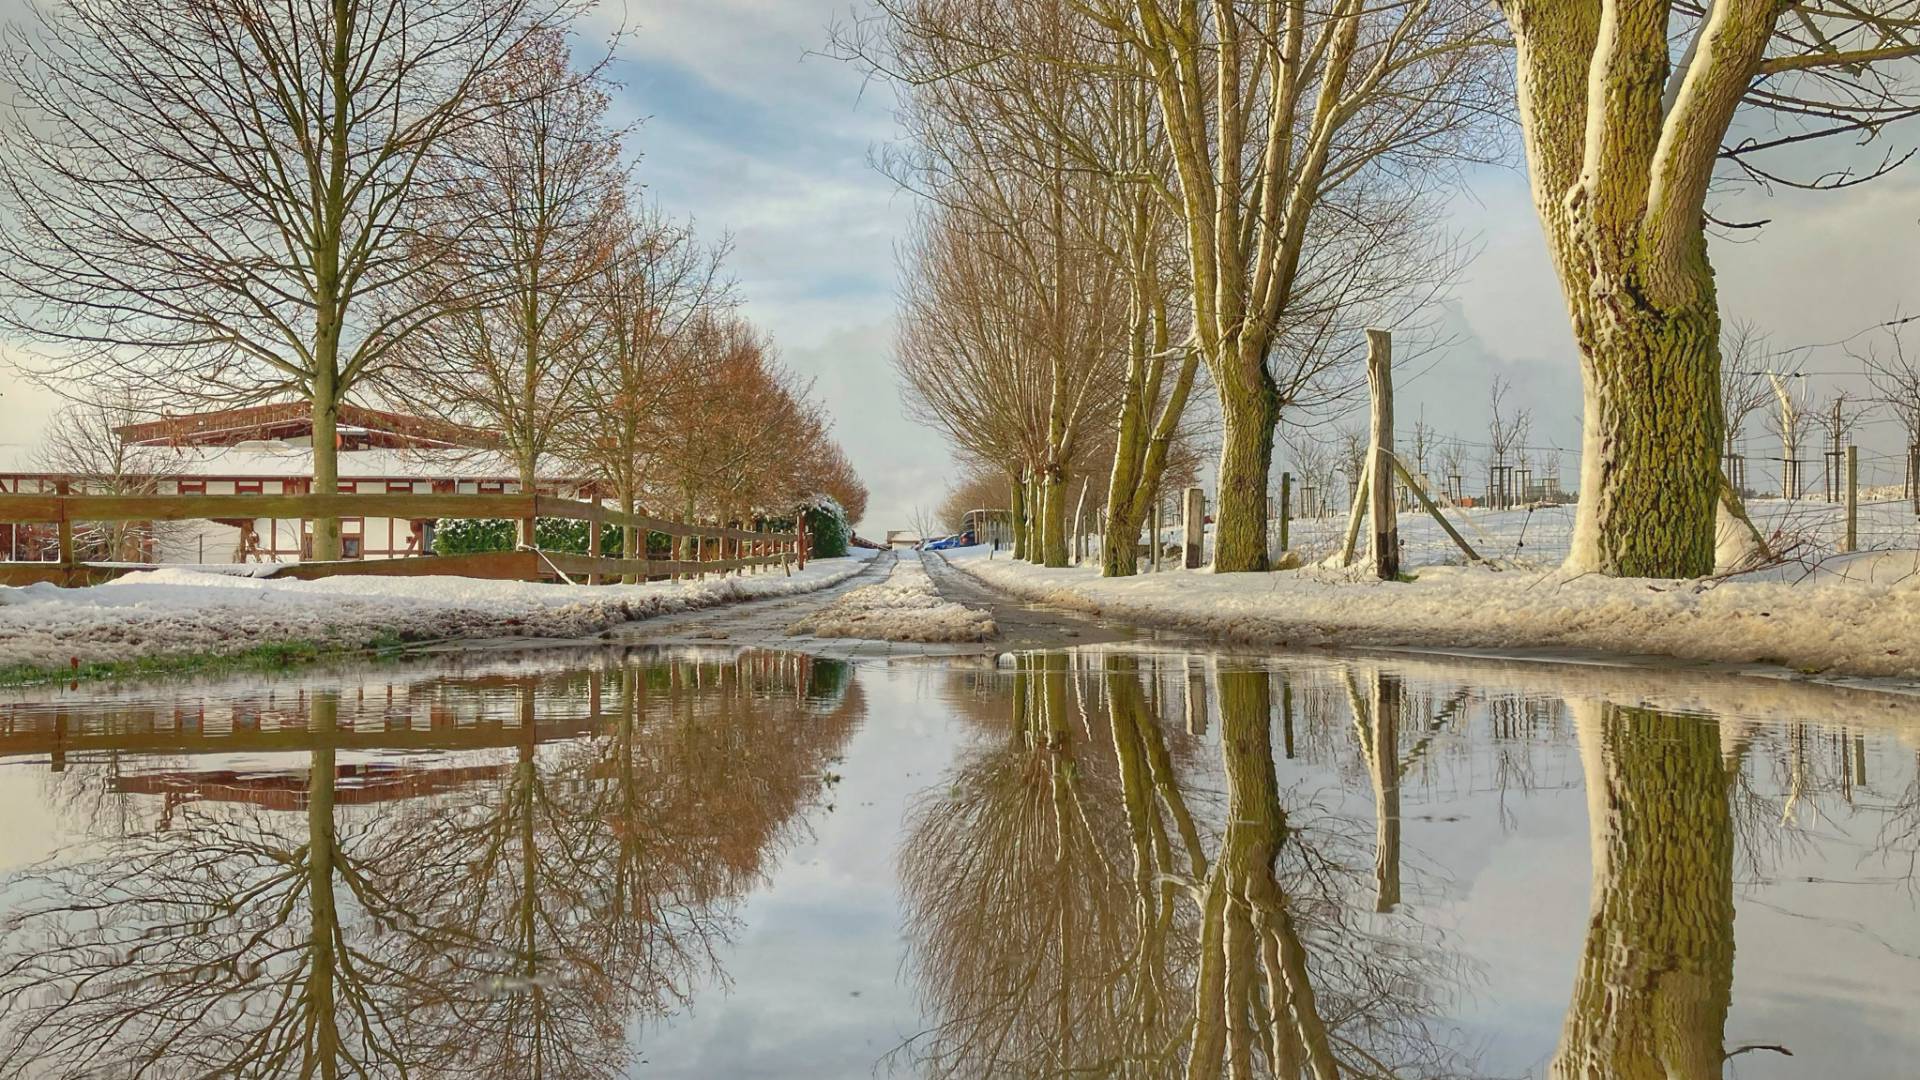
column 1850, row 615
column 905, row 607
column 281, row 458
column 176, row 610
column 1540, row 537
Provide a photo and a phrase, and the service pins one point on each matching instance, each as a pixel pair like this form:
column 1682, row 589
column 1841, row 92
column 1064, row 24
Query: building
column 268, row 450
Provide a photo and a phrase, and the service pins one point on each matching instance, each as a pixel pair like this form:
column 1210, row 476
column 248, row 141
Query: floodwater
column 1095, row 863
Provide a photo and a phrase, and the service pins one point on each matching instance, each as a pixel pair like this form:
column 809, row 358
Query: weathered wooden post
column 1153, row 545
column 595, row 517
column 1286, row 507
column 1194, row 528
column 64, row 488
column 1385, row 516
column 1853, row 498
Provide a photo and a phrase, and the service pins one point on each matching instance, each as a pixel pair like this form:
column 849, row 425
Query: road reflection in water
column 1097, row 863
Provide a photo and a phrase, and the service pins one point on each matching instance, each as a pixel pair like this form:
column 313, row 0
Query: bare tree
column 207, row 198
column 1745, row 357
column 1894, row 373
column 653, row 294
column 1507, row 428
column 83, row 445
column 532, row 216
column 1790, row 424
column 1300, row 141
column 1623, row 141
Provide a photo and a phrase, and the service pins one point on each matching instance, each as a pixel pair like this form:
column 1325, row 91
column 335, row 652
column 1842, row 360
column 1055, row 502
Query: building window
column 399, row 487
column 190, row 487
column 249, row 487
column 493, row 487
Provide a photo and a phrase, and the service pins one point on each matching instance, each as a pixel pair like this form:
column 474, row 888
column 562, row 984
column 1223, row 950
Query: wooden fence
column 718, row 549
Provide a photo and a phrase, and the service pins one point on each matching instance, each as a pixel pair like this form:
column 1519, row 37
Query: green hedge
column 468, row 536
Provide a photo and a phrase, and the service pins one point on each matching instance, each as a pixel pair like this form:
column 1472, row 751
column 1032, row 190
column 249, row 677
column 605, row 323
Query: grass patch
column 274, row 657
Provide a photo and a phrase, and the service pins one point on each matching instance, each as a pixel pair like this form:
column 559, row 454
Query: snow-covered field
column 905, row 607
column 185, row 611
column 1803, row 529
column 1856, row 614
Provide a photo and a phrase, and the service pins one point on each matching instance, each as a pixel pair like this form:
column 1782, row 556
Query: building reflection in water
column 505, row 917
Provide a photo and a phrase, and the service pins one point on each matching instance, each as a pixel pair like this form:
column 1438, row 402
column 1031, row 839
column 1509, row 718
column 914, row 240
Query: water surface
column 1107, row 862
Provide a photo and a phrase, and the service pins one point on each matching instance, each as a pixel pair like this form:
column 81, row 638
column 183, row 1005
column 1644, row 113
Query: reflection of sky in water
column 819, row 975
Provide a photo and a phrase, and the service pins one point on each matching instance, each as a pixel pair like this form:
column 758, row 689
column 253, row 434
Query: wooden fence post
column 1853, row 497
column 1286, row 506
column 594, row 518
column 1153, row 548
column 64, row 488
column 1194, row 528
column 1384, row 513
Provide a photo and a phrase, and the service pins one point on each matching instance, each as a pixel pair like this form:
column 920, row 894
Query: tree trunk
column 1650, row 455
column 1251, row 410
column 1656, row 980
column 1053, row 522
column 528, row 486
column 1017, row 514
column 1119, row 543
column 631, row 538
column 1031, row 523
column 326, row 468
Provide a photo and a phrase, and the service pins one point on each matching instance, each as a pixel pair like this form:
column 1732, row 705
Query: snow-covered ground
column 905, row 607
column 1855, row 614
column 1806, row 530
column 185, row 611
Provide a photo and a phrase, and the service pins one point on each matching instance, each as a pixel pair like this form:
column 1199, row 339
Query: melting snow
column 905, row 607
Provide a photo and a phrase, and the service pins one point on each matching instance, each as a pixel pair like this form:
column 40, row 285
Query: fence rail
column 732, row 549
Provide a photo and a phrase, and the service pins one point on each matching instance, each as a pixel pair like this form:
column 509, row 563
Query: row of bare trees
column 1260, row 180
column 418, row 201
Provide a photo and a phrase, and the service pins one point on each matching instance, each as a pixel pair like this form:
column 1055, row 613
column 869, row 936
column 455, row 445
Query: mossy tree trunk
column 1250, row 411
column 1620, row 151
column 1053, row 518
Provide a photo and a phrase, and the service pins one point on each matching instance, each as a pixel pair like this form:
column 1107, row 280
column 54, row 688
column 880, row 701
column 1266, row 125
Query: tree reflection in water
column 510, row 927
column 1071, row 913
column 1656, row 975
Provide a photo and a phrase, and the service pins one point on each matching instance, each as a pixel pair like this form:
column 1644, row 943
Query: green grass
column 277, row 656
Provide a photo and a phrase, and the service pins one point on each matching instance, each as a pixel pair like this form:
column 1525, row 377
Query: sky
column 743, row 126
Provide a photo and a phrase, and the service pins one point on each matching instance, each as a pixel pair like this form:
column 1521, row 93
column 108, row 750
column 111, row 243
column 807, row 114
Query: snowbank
column 905, row 607
column 1855, row 615
column 186, row 611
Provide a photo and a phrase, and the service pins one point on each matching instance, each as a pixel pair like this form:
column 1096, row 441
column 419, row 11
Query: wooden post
column 1355, row 511
column 1385, row 515
column 594, row 519
column 1420, row 493
column 65, row 488
column 1853, row 496
column 1079, row 521
column 1286, row 507
column 1193, row 526
column 1153, row 548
